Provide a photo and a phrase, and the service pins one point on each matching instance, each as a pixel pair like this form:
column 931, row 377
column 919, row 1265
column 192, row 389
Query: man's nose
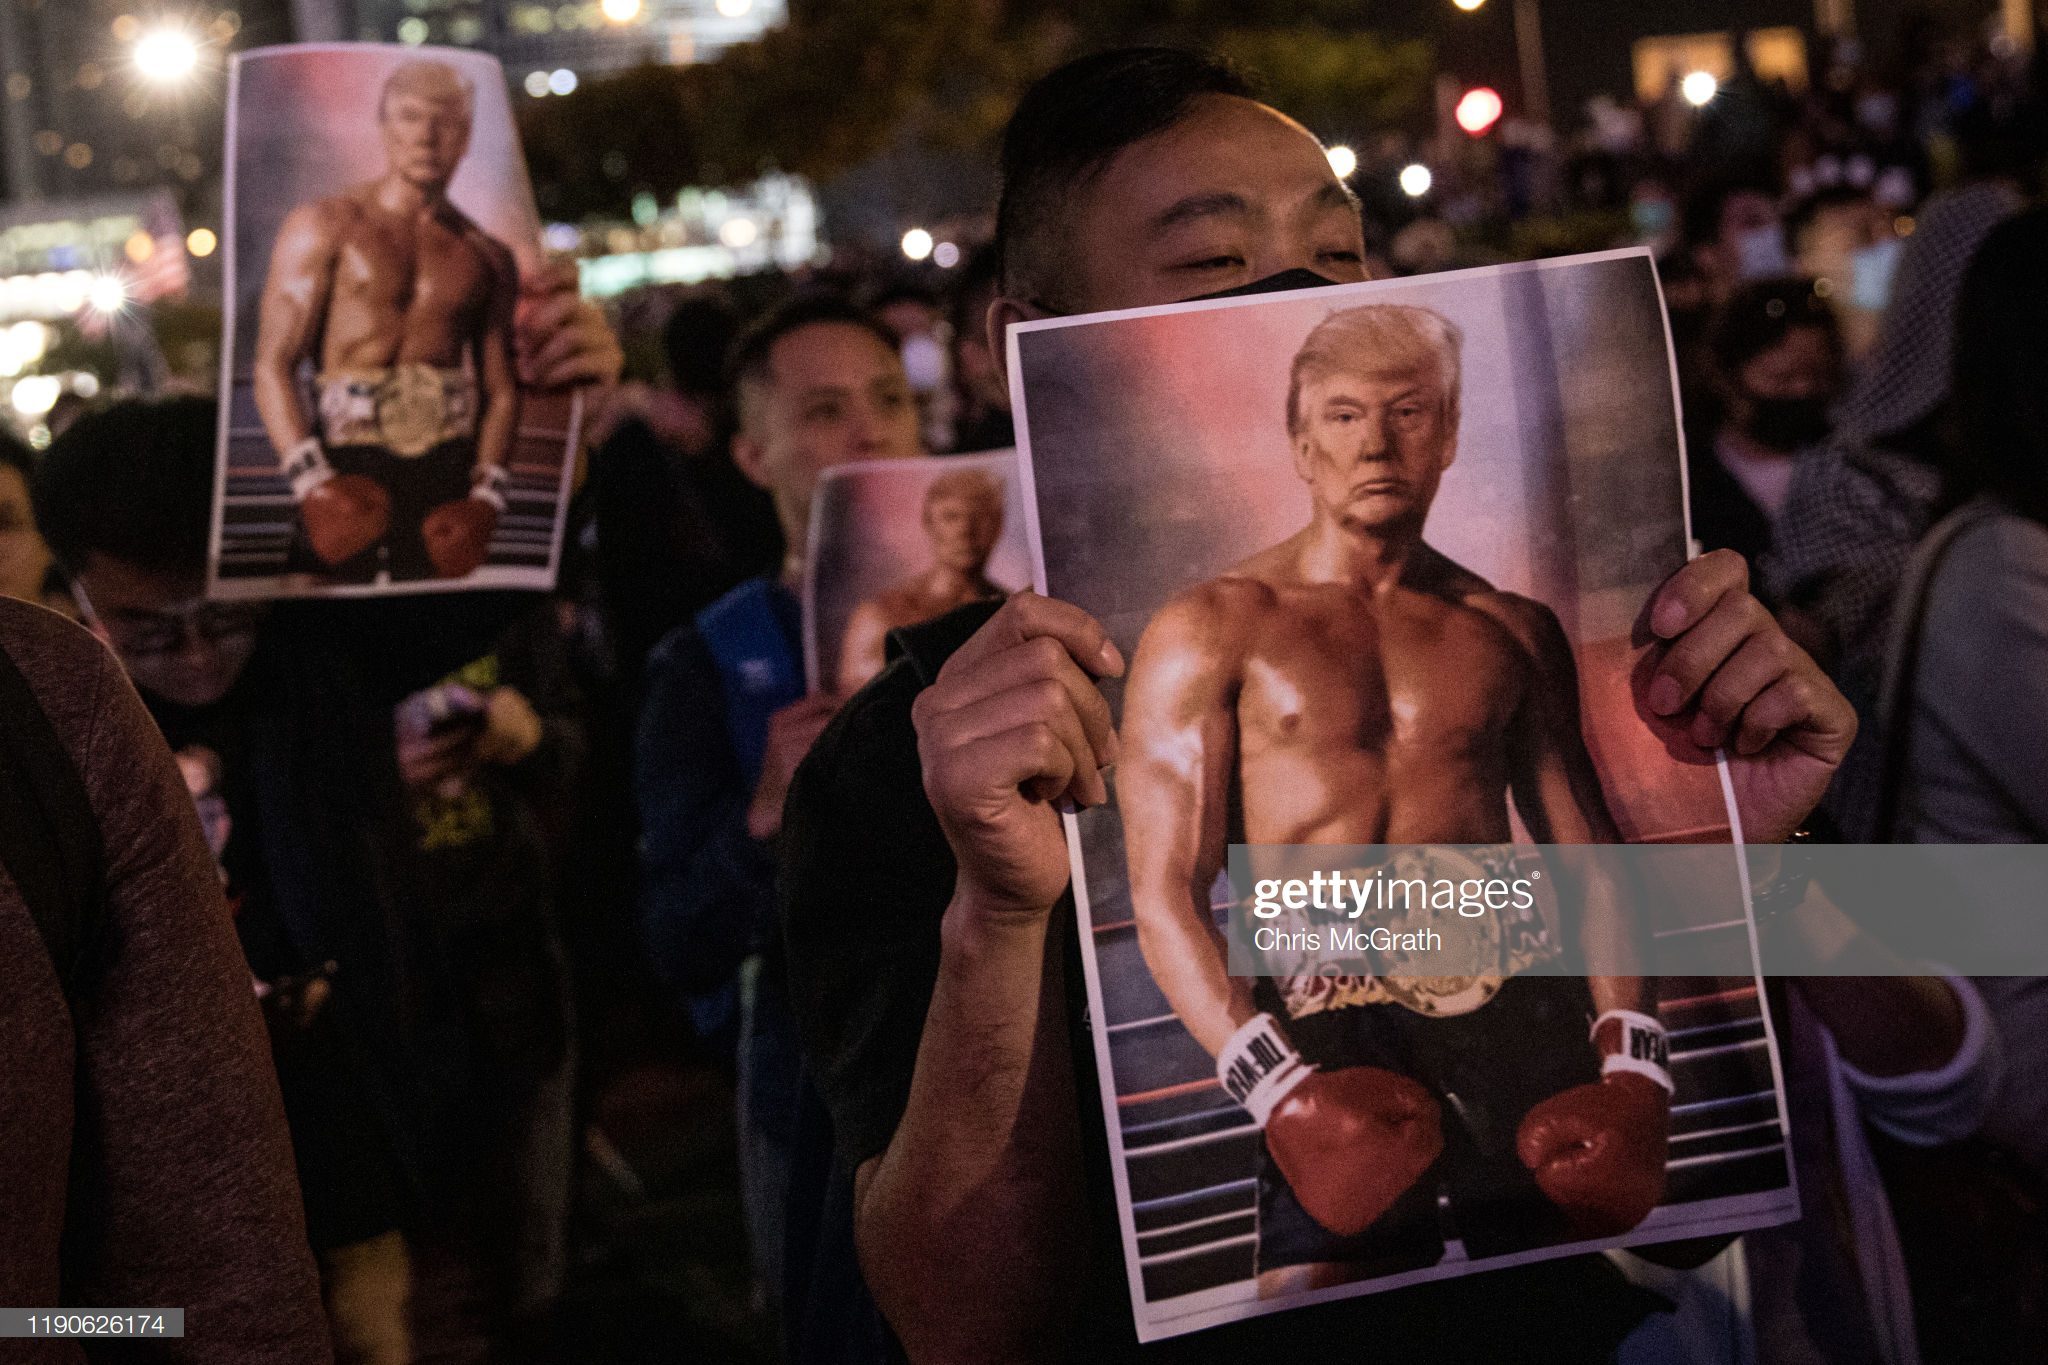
column 1374, row 441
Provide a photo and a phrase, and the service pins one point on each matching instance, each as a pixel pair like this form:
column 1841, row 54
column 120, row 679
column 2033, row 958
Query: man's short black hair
column 1072, row 122
column 1700, row 223
column 748, row 365
column 132, row 481
column 695, row 340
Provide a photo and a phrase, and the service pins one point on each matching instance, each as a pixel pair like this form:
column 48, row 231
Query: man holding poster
column 927, row 881
column 404, row 305
column 1353, row 685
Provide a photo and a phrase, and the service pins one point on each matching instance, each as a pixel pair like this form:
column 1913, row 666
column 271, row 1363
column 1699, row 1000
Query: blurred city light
column 201, row 241
column 945, row 255
column 536, row 83
column 621, row 11
column 166, row 54
column 36, row 394
column 734, row 9
column 1415, row 180
column 1468, row 5
column 739, row 233
column 562, row 80
column 1698, row 87
column 1479, row 110
column 412, row 30
column 1343, row 161
column 917, row 244
column 106, row 295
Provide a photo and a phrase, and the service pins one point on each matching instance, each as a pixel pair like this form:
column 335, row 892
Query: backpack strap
column 1894, row 718
column 50, row 840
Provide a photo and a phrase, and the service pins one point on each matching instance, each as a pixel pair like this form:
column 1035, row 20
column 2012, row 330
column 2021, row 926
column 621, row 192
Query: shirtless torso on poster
column 404, row 307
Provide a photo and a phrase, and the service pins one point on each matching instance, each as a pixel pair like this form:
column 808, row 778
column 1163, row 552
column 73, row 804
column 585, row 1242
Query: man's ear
column 750, row 457
column 1002, row 312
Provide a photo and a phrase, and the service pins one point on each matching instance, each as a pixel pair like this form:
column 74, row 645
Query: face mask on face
column 1870, row 274
column 1787, row 424
column 1272, row 284
column 1652, row 218
column 1760, row 252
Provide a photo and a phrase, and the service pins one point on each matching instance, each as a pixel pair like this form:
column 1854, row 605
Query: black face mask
column 1787, row 424
column 1286, row 280
column 1297, row 278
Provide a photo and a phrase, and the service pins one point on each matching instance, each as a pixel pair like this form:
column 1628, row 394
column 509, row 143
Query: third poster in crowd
column 1378, row 556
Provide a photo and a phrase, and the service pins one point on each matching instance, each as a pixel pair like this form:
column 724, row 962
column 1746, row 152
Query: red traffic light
column 1479, row 110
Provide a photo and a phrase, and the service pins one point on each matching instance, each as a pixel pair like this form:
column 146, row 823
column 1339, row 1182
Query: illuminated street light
column 917, row 244
column 1343, row 161
column 1415, row 180
column 36, row 394
column 621, row 11
column 1698, row 87
column 1479, row 110
column 562, row 80
column 166, row 54
column 201, row 241
column 106, row 295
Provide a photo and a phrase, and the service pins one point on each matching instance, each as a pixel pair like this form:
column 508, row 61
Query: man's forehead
column 1224, row 146
column 1405, row 370
column 830, row 355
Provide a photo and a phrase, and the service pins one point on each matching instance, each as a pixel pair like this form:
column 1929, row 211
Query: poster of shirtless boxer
column 896, row 542
column 1376, row 555
column 374, row 435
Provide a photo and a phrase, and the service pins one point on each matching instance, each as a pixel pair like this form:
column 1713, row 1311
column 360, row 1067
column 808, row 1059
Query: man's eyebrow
column 1335, row 195
column 1196, row 206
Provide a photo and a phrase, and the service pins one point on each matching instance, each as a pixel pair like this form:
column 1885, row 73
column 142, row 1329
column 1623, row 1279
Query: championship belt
column 407, row 410
column 1497, row 944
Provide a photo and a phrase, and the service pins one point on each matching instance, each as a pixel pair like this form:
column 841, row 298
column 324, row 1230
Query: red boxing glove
column 1599, row 1150
column 458, row 536
column 1350, row 1141
column 345, row 515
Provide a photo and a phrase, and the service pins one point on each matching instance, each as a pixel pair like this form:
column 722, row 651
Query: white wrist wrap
column 1645, row 1048
column 489, row 484
column 306, row 467
column 1259, row 1067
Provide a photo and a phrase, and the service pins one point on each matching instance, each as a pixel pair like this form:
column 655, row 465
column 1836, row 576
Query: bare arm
column 861, row 649
column 497, row 380
column 1557, row 792
column 969, row 1225
column 1179, row 744
column 289, row 318
column 987, row 1156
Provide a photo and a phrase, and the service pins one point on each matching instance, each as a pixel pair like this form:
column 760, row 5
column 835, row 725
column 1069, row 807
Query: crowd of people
column 358, row 924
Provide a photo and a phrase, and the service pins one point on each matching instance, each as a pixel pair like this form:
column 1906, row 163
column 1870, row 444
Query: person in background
column 27, row 572
column 1857, row 505
column 912, row 313
column 725, row 721
column 1843, row 239
column 983, row 395
column 1776, row 358
column 1735, row 233
column 144, row 1157
column 1969, row 720
column 384, row 1042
